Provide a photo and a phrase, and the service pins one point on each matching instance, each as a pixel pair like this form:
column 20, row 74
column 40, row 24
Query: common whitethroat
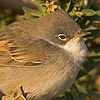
column 40, row 58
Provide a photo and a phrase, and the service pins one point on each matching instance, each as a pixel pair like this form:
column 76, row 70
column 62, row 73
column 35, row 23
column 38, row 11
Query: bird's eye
column 62, row 37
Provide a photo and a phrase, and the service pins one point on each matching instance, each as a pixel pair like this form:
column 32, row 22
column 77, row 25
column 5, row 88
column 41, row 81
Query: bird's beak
column 82, row 33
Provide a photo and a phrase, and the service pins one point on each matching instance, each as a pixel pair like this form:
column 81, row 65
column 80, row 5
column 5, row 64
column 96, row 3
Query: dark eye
column 62, row 37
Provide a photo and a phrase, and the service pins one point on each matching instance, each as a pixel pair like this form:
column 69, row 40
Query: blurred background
column 87, row 14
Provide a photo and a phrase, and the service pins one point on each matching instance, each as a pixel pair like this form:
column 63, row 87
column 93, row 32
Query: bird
column 40, row 58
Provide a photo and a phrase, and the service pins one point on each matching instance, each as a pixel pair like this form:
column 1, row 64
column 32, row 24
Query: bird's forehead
column 59, row 20
column 69, row 29
column 63, row 22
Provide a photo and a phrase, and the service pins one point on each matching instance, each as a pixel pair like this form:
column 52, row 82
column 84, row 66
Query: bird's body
column 42, row 64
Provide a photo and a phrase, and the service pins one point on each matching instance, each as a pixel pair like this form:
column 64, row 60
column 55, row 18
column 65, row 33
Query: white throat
column 77, row 48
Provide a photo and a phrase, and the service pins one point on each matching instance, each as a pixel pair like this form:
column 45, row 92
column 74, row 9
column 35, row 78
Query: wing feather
column 17, row 51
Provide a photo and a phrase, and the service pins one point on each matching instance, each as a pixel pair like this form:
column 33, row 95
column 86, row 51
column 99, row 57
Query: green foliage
column 5, row 18
column 30, row 13
column 88, row 12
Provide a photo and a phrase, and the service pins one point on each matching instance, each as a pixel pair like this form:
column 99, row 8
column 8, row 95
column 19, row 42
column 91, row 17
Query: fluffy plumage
column 32, row 56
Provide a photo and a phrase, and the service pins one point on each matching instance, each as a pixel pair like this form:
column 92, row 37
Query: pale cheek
column 77, row 48
column 72, row 45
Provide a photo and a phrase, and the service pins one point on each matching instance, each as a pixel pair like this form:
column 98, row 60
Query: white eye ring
column 62, row 37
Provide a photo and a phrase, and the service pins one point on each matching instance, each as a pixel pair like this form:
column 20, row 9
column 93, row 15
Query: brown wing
column 17, row 50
